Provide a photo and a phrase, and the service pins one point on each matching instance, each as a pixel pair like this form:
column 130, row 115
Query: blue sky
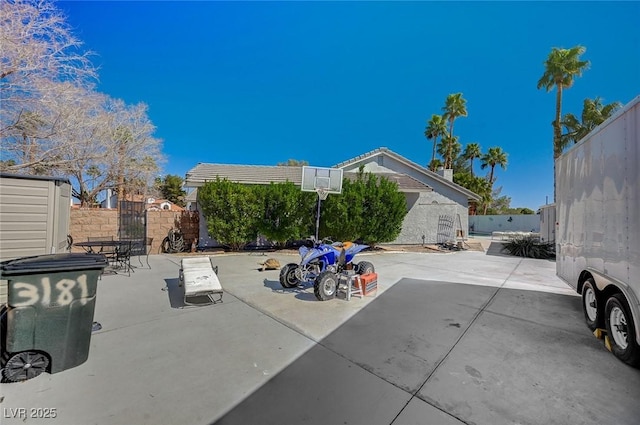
column 263, row 82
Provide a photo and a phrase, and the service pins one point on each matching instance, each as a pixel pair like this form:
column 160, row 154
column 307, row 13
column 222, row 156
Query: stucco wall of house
column 429, row 215
column 427, row 211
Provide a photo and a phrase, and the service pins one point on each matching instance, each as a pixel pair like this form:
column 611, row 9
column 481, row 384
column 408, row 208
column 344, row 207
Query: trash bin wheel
column 25, row 365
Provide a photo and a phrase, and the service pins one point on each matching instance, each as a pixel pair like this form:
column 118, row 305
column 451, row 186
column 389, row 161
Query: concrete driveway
column 451, row 338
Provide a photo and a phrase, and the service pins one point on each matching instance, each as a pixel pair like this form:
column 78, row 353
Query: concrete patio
column 449, row 338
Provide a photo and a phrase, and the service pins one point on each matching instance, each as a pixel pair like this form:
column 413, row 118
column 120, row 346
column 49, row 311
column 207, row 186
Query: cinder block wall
column 160, row 222
column 104, row 222
column 92, row 222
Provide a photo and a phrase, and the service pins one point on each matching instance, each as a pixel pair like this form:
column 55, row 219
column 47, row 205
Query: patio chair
column 108, row 251
column 199, row 277
column 144, row 248
column 123, row 256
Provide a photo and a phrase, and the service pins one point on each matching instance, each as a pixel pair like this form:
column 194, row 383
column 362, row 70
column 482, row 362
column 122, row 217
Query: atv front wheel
column 365, row 267
column 325, row 286
column 288, row 276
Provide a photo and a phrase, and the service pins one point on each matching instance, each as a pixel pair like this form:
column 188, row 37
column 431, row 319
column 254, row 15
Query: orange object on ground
column 368, row 282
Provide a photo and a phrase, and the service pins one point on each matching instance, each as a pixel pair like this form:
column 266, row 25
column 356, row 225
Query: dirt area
column 466, row 246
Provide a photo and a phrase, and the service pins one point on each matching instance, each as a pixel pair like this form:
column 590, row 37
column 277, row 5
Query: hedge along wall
column 93, row 222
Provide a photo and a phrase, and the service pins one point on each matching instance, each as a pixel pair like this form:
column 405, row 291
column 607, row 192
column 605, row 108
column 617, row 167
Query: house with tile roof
column 436, row 206
column 151, row 204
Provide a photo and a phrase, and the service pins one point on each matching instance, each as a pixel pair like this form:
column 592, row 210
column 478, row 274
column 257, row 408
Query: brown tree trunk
column 557, row 127
column 557, row 134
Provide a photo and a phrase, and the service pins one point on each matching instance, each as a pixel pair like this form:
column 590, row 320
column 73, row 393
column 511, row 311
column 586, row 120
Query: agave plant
column 531, row 247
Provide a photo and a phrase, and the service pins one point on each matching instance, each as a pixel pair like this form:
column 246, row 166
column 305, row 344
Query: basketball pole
column 322, row 195
column 318, row 219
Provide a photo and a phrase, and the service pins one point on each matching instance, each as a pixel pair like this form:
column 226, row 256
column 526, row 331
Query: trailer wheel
column 25, row 365
column 621, row 330
column 365, row 267
column 325, row 286
column 288, row 276
column 590, row 305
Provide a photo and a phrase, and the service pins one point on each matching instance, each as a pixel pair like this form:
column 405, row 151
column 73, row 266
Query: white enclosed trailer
column 598, row 234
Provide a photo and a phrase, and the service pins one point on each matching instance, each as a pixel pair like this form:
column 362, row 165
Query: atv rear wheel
column 325, row 286
column 288, row 276
column 365, row 267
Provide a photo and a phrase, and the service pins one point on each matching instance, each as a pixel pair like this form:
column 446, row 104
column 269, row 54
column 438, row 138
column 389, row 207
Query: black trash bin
column 49, row 313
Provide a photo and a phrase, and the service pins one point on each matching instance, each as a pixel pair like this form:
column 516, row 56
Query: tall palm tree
column 449, row 148
column 494, row 157
column 594, row 113
column 471, row 152
column 561, row 67
column 455, row 106
column 436, row 127
column 435, row 164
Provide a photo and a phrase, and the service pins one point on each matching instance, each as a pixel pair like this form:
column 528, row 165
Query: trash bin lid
column 53, row 263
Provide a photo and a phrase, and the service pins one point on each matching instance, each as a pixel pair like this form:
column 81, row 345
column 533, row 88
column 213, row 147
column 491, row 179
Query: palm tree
column 477, row 185
column 495, row 156
column 561, row 67
column 471, row 151
column 435, row 164
column 449, row 148
column 594, row 113
column 455, row 106
column 436, row 127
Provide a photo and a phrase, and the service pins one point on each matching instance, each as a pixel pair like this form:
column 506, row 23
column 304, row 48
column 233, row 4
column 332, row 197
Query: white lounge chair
column 199, row 277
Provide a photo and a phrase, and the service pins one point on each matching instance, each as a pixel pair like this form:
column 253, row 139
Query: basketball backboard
column 314, row 178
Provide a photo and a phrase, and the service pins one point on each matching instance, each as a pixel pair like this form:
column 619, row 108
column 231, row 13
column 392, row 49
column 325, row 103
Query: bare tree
column 51, row 119
column 134, row 152
column 51, row 137
column 118, row 152
column 37, row 48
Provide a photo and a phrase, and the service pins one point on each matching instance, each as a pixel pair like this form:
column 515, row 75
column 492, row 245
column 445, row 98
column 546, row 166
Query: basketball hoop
column 322, row 194
column 322, row 181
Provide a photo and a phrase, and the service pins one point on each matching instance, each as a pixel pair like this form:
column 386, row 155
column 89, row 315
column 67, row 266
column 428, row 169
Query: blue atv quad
column 321, row 266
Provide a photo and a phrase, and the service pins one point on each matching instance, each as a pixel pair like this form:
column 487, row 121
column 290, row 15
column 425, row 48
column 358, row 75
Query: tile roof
column 418, row 167
column 247, row 174
column 405, row 183
column 264, row 174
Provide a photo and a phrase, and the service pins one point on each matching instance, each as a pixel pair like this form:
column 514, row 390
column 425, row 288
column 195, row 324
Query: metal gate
column 132, row 225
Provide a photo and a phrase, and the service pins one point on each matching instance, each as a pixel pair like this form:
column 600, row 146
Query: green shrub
column 232, row 212
column 369, row 209
column 286, row 212
column 530, row 247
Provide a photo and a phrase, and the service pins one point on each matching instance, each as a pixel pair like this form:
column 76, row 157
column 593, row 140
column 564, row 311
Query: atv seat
column 199, row 278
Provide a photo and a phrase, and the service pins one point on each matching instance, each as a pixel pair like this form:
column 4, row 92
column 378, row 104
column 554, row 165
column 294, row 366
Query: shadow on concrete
column 305, row 295
column 449, row 353
column 300, row 293
column 274, row 285
column 175, row 293
column 495, row 249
